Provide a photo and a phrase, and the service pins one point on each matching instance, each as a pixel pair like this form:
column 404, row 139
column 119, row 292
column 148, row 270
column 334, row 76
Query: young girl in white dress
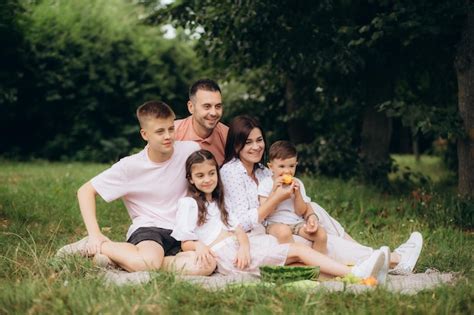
column 204, row 225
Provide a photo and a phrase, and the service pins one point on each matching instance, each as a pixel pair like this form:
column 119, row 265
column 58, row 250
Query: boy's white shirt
column 285, row 211
column 149, row 190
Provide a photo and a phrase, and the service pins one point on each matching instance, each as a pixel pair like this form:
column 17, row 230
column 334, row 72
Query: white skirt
column 264, row 250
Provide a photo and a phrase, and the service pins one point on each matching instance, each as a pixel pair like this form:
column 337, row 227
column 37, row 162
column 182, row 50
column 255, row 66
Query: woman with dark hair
column 243, row 170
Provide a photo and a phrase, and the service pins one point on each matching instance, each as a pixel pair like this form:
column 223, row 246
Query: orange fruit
column 370, row 281
column 287, row 179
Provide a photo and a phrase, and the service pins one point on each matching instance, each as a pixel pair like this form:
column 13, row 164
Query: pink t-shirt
column 149, row 190
column 214, row 143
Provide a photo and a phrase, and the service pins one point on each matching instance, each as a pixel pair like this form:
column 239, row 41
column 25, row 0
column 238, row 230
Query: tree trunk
column 376, row 126
column 465, row 75
column 376, row 133
column 296, row 126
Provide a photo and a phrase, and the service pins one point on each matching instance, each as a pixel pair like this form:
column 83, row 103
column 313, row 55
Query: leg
column 319, row 239
column 282, row 232
column 370, row 267
column 301, row 253
column 146, row 255
column 186, row 263
column 332, row 226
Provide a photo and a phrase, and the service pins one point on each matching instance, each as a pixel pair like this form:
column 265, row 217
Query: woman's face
column 254, row 147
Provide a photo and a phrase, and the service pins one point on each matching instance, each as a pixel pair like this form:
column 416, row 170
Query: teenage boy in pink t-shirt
column 150, row 184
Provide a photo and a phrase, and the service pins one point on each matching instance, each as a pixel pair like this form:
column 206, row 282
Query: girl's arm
column 204, row 253
column 243, row 255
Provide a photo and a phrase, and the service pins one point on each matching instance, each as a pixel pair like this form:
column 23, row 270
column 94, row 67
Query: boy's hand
column 94, row 243
column 311, row 225
column 242, row 260
column 283, row 192
column 204, row 255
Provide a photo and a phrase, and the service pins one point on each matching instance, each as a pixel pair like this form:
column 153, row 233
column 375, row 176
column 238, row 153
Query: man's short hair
column 282, row 150
column 203, row 84
column 154, row 109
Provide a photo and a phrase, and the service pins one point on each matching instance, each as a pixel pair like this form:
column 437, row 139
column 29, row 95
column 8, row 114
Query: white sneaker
column 409, row 253
column 77, row 248
column 370, row 267
column 103, row 261
column 382, row 275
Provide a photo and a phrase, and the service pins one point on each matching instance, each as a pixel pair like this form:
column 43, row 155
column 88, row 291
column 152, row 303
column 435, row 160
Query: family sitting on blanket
column 152, row 182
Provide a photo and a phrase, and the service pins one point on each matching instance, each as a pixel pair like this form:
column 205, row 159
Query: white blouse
column 241, row 192
column 186, row 222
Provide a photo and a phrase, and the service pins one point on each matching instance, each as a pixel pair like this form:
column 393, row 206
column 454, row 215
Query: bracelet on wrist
column 307, row 217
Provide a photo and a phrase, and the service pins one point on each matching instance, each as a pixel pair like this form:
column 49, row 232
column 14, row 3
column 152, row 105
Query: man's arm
column 86, row 196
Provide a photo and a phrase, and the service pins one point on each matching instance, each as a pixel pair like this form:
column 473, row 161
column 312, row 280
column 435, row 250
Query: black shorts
column 161, row 236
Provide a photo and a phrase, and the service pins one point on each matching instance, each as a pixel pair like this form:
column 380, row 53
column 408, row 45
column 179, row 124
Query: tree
column 372, row 59
column 465, row 76
column 84, row 70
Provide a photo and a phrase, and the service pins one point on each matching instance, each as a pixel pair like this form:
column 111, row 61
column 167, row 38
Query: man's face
column 206, row 109
column 159, row 133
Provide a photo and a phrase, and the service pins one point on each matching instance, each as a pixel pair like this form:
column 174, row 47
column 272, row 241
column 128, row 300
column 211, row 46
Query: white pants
column 340, row 249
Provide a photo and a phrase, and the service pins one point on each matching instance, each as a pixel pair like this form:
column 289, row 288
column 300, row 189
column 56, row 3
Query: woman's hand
column 242, row 260
column 204, row 255
column 94, row 243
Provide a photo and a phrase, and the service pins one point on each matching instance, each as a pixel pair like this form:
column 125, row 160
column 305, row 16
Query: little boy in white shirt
column 295, row 215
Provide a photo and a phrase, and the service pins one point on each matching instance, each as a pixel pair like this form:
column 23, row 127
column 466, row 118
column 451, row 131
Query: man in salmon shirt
column 203, row 126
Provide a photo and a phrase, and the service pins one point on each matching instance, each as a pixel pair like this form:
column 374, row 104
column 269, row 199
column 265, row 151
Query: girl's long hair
column 239, row 130
column 202, row 156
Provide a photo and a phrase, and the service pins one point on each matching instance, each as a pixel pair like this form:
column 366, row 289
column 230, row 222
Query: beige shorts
column 295, row 228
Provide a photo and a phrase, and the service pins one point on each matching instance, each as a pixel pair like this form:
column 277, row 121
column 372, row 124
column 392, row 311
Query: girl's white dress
column 264, row 249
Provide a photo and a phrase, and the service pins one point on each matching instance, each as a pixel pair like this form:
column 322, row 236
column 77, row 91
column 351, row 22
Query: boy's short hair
column 203, row 84
column 282, row 150
column 154, row 109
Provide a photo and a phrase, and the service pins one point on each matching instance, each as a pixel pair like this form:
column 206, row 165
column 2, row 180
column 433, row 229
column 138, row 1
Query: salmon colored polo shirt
column 215, row 143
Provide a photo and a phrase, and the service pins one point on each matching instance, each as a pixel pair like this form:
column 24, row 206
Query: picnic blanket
column 404, row 284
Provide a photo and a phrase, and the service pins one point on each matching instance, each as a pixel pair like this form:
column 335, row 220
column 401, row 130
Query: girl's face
column 254, row 147
column 204, row 177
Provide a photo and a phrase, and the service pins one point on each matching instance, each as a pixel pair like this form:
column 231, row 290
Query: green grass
column 39, row 213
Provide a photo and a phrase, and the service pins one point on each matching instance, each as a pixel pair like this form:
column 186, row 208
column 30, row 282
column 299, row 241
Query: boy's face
column 159, row 133
column 280, row 167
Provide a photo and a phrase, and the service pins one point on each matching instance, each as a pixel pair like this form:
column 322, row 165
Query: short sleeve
column 265, row 187
column 303, row 191
column 111, row 184
column 186, row 220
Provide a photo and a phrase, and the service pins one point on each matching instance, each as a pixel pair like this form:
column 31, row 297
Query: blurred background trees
column 349, row 81
column 346, row 80
column 73, row 74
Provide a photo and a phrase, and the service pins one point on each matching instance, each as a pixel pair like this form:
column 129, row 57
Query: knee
column 205, row 270
column 321, row 235
column 282, row 233
column 186, row 264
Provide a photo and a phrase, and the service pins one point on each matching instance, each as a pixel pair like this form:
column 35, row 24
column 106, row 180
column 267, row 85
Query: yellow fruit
column 370, row 281
column 287, row 179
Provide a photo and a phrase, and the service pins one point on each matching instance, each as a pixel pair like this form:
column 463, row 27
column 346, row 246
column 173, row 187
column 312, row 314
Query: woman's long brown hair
column 197, row 157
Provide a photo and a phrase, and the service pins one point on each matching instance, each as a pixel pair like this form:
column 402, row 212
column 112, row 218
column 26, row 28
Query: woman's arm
column 242, row 260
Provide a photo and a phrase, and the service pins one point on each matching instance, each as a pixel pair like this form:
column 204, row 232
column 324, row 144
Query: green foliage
column 341, row 57
column 88, row 66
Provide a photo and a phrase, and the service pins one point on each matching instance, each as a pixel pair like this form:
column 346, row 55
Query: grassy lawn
column 39, row 213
